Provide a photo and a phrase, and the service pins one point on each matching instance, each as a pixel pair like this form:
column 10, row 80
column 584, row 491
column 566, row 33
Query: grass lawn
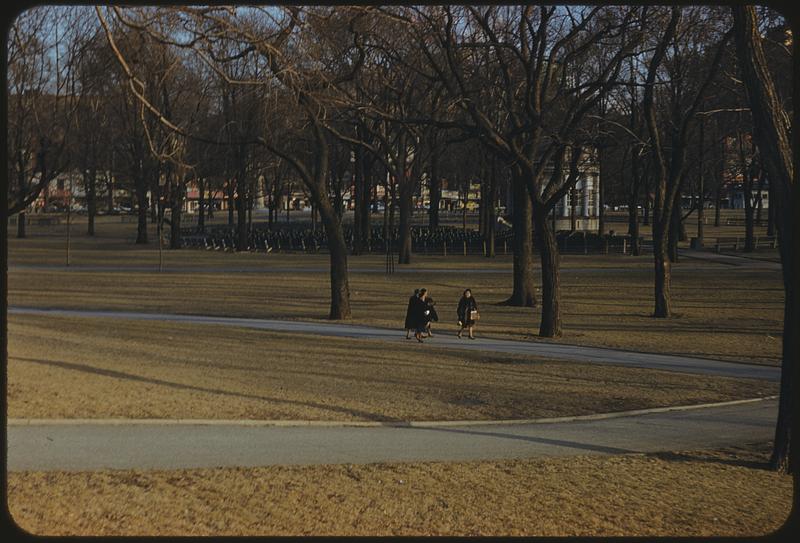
column 721, row 311
column 95, row 368
column 696, row 493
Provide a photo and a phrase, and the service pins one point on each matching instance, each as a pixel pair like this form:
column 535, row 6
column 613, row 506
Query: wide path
column 539, row 349
column 174, row 446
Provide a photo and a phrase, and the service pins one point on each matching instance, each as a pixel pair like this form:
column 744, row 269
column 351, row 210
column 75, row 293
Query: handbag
column 474, row 315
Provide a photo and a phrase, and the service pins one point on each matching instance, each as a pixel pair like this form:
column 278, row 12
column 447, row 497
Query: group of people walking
column 421, row 313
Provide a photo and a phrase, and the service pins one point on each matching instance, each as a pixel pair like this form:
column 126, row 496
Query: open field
column 722, row 312
column 95, row 368
column 700, row 493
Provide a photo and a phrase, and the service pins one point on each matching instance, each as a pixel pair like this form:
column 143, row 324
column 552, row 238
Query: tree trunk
column 340, row 287
column 550, row 325
column 771, row 133
column 717, row 203
column 663, row 270
column 435, row 188
column 524, row 286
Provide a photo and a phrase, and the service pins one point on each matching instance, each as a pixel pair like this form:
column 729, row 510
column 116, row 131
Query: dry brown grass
column 701, row 493
column 94, row 368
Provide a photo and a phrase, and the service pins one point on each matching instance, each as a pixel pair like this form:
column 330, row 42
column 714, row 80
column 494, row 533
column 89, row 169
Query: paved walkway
column 173, row 446
column 539, row 349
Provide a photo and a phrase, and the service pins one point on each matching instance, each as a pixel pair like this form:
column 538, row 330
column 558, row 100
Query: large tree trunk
column 771, row 131
column 663, row 270
column 524, row 287
column 340, row 286
column 550, row 325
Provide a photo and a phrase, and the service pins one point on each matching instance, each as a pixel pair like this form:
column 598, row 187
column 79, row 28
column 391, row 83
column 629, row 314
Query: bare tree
column 42, row 101
column 773, row 132
column 679, row 119
column 549, row 63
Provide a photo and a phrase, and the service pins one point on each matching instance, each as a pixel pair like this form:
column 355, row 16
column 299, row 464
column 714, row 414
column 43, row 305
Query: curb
column 371, row 424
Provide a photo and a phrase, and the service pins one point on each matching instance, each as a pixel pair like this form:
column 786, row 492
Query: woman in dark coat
column 409, row 324
column 419, row 314
column 432, row 315
column 466, row 305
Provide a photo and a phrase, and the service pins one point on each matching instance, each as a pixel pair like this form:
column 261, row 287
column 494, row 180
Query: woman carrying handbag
column 467, row 313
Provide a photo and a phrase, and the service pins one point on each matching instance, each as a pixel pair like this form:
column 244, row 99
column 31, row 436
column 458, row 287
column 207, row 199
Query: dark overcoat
column 465, row 306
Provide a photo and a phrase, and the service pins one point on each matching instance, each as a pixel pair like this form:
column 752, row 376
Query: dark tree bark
column 523, row 293
column 550, row 325
column 771, row 130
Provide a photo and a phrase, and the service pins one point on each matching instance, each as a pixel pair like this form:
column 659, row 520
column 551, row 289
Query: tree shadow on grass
column 181, row 386
column 749, row 460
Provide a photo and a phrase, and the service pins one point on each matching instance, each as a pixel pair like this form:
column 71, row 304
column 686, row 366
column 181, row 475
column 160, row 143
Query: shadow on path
column 530, row 439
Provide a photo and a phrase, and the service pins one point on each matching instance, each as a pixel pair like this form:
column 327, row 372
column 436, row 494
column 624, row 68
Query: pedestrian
column 419, row 314
column 411, row 302
column 432, row 315
column 467, row 313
